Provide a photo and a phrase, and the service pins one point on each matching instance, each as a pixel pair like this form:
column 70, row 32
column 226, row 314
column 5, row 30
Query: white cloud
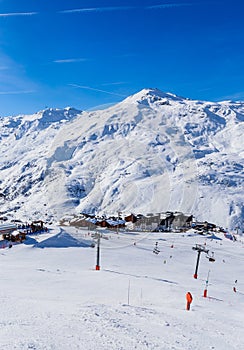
column 70, row 60
column 123, row 8
column 98, row 9
column 17, row 92
column 12, row 14
column 164, row 6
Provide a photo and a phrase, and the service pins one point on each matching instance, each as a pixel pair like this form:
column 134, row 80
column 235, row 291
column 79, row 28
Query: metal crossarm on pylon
column 200, row 249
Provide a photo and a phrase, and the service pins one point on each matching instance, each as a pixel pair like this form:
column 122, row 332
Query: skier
column 156, row 250
column 188, row 300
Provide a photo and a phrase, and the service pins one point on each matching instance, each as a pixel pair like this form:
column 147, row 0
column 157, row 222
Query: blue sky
column 89, row 53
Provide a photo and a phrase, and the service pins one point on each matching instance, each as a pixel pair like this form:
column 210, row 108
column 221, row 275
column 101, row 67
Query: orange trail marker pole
column 206, row 287
column 188, row 300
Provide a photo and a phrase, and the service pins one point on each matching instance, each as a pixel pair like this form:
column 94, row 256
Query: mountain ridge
column 151, row 152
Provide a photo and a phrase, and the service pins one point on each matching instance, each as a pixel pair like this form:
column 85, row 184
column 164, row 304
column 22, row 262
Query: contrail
column 164, row 6
column 11, row 14
column 16, row 92
column 124, row 8
column 99, row 9
column 70, row 60
column 98, row 90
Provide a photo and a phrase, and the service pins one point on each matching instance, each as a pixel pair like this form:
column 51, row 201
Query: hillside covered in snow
column 53, row 298
column 152, row 152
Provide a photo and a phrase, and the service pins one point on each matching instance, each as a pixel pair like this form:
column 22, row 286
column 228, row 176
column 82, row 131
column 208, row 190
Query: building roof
column 4, row 227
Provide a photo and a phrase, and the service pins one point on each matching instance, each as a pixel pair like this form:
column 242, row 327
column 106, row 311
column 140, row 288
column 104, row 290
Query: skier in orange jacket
column 188, row 300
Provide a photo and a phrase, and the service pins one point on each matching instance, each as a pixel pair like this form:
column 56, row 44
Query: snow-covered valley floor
column 53, row 298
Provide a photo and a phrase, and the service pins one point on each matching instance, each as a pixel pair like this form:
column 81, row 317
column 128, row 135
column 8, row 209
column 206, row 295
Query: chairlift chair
column 210, row 257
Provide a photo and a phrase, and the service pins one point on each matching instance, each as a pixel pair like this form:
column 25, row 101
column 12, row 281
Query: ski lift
column 211, row 257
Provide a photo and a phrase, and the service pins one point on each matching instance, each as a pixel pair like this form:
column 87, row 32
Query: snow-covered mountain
column 152, row 152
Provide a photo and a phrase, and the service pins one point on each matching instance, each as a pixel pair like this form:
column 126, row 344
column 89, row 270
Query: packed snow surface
column 53, row 298
column 150, row 153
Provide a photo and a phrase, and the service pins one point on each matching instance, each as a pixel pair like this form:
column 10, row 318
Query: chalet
column 131, row 218
column 36, row 226
column 149, row 222
column 115, row 223
column 111, row 222
column 204, row 226
column 15, row 236
column 181, row 221
column 88, row 223
column 102, row 223
column 164, row 222
column 7, row 228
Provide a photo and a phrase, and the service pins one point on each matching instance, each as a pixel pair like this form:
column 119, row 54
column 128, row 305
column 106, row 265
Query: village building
column 204, row 226
column 149, row 222
column 164, row 222
column 181, row 221
column 15, row 236
column 36, row 226
column 7, row 228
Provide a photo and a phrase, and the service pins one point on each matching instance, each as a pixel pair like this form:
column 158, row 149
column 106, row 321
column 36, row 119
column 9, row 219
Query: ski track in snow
column 121, row 328
column 51, row 298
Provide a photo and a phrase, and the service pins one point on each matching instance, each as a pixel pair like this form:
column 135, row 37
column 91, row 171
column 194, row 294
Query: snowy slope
column 152, row 152
column 52, row 297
